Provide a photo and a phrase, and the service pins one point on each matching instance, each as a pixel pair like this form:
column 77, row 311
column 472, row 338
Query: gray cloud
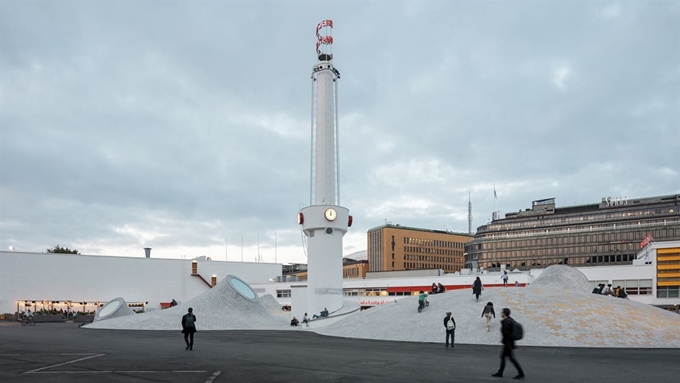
column 125, row 125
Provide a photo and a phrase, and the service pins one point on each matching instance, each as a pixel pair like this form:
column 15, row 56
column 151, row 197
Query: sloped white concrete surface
column 550, row 316
column 556, row 312
column 220, row 308
column 561, row 277
column 273, row 306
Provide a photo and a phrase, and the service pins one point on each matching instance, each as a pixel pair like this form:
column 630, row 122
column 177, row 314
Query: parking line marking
column 38, row 354
column 65, row 363
column 213, row 376
column 123, row 372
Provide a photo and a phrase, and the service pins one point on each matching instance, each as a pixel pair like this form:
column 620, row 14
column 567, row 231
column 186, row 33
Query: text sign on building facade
column 615, row 201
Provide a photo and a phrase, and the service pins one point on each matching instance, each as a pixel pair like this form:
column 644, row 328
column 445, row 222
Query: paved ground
column 62, row 352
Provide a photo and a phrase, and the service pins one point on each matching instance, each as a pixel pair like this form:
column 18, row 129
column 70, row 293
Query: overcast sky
column 183, row 125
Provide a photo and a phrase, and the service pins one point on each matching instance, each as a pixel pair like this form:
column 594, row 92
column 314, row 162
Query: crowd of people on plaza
column 618, row 291
column 66, row 314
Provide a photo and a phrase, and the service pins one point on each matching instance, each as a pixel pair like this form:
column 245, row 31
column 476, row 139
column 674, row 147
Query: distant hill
column 358, row 256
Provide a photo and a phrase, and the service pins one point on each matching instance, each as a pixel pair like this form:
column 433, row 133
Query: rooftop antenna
column 469, row 213
column 495, row 197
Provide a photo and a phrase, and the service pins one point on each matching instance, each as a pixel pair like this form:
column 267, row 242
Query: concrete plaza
column 63, row 352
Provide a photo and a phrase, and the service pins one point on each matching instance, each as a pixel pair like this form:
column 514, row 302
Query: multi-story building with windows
column 354, row 269
column 605, row 233
column 395, row 247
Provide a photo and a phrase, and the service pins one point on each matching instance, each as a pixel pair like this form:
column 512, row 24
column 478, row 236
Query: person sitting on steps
column 323, row 314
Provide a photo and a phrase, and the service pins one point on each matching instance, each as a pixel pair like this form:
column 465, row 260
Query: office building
column 610, row 232
column 395, row 247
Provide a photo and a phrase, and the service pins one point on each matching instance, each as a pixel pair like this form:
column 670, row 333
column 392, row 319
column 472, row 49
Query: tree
column 64, row 250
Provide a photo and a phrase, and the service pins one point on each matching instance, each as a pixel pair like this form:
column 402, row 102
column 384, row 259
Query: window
column 668, row 292
column 283, row 293
column 645, row 287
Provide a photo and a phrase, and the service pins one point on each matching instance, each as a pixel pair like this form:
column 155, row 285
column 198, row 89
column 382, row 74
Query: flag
column 495, row 196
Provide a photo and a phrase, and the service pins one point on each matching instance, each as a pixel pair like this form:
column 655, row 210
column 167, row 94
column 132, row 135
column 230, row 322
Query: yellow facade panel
column 661, row 258
column 668, row 283
column 669, row 275
column 670, row 250
column 668, row 267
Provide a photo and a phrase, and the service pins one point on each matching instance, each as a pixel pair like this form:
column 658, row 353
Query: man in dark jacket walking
column 477, row 288
column 189, row 328
column 450, row 326
column 508, row 345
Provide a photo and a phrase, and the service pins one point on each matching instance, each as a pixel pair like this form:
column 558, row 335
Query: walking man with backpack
column 189, row 328
column 511, row 331
column 450, row 326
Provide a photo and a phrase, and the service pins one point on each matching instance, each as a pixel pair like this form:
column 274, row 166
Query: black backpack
column 517, row 330
column 189, row 321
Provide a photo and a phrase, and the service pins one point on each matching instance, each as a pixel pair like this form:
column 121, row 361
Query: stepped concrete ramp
column 230, row 305
column 550, row 317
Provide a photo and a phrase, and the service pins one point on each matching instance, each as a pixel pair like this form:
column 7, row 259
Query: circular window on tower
column 242, row 288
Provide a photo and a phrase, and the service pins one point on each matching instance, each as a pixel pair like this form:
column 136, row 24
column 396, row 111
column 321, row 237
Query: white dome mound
column 114, row 308
column 550, row 317
column 561, row 277
column 221, row 308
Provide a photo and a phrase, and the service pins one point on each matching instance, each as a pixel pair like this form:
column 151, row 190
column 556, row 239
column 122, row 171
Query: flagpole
column 494, row 200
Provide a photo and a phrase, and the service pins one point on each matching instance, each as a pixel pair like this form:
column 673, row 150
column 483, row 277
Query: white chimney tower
column 324, row 222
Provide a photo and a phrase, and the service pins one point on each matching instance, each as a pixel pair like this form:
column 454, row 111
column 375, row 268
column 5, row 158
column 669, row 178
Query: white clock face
column 331, row 214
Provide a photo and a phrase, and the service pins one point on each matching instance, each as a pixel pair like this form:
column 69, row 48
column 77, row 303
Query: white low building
column 46, row 280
